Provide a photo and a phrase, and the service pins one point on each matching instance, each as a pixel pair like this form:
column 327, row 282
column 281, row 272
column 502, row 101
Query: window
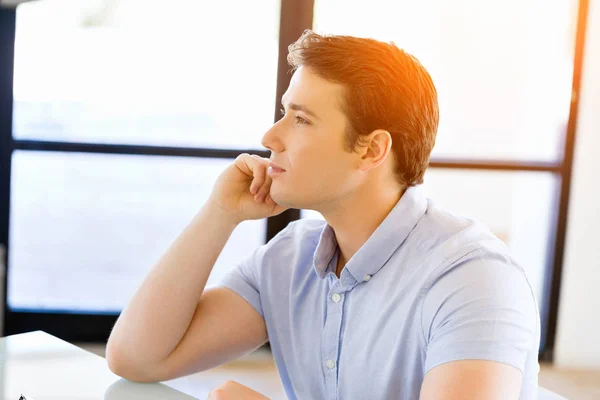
column 124, row 113
column 86, row 228
column 168, row 93
column 144, row 72
column 503, row 70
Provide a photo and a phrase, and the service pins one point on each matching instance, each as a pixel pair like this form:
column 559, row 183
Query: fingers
column 256, row 167
column 259, row 172
column 264, row 190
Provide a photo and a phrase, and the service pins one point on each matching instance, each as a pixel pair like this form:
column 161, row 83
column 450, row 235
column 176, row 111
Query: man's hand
column 242, row 190
column 232, row 390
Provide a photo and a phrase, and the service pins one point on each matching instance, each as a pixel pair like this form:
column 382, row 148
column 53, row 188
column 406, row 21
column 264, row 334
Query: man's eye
column 301, row 120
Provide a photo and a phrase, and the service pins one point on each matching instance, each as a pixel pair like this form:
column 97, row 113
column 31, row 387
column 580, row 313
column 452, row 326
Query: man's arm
column 472, row 379
column 171, row 327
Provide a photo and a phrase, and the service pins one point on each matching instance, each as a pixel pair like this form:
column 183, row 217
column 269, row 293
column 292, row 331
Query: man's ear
column 374, row 149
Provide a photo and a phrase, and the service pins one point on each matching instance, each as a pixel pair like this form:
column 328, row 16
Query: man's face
column 308, row 143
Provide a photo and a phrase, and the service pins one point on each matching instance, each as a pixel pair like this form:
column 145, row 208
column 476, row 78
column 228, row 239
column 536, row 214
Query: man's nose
column 272, row 140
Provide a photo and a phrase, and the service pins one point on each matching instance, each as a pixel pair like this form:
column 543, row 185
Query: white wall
column 578, row 335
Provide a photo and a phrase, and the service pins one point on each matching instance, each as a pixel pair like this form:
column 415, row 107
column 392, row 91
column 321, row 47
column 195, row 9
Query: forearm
column 160, row 312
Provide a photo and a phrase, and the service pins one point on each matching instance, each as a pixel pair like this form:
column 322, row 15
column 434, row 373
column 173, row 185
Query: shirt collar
column 380, row 246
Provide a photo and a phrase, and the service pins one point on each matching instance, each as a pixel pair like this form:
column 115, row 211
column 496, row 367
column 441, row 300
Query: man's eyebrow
column 300, row 107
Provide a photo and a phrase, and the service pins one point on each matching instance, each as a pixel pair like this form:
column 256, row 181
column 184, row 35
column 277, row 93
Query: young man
column 390, row 298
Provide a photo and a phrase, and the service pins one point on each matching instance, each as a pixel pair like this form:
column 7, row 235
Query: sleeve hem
column 504, row 356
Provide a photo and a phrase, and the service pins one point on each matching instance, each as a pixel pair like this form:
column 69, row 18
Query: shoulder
column 480, row 306
column 441, row 230
column 479, row 289
column 469, row 268
column 447, row 240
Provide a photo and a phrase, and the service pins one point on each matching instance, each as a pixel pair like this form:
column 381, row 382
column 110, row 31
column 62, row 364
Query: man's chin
column 285, row 201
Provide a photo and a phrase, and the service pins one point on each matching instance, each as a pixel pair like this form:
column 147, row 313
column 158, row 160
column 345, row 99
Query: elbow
column 117, row 363
column 127, row 368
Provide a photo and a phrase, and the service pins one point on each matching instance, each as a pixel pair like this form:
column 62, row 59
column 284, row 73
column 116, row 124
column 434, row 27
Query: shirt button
column 366, row 278
column 330, row 364
column 336, row 297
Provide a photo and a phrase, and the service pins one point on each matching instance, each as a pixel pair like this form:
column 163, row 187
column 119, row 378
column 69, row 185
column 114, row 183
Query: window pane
column 85, row 229
column 515, row 206
column 503, row 70
column 182, row 73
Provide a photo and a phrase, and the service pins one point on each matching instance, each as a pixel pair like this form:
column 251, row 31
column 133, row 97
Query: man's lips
column 276, row 168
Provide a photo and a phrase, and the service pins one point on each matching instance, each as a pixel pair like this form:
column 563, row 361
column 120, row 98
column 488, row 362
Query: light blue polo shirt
column 426, row 288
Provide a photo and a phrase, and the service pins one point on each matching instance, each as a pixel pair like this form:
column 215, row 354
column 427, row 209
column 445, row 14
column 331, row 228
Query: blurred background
column 116, row 117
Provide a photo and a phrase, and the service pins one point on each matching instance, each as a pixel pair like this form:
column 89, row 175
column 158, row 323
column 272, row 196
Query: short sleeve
column 482, row 308
column 243, row 279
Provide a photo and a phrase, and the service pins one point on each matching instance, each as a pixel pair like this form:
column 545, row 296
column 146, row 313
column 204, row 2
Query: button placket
column 331, row 337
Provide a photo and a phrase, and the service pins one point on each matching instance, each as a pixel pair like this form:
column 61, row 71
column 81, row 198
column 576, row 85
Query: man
column 390, row 298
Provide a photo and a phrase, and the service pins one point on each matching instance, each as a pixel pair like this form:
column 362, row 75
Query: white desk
column 44, row 367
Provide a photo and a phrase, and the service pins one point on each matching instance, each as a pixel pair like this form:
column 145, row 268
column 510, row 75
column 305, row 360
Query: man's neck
column 356, row 218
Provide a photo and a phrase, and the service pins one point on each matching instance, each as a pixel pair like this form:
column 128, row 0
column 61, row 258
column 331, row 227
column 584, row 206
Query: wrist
column 217, row 212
